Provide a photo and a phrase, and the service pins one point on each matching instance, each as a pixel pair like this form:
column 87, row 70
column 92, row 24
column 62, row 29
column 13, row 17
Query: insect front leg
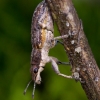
column 56, row 69
column 38, row 78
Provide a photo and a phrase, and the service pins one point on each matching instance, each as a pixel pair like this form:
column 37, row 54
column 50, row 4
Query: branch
column 76, row 46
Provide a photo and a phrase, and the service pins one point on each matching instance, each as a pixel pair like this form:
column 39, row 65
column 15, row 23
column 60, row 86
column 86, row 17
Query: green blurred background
column 15, row 50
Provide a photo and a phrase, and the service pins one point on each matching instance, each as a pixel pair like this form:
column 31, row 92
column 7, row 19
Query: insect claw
column 24, row 92
column 32, row 96
column 63, row 63
column 57, row 41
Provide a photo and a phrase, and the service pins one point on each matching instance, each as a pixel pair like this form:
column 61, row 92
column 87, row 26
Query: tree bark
column 83, row 64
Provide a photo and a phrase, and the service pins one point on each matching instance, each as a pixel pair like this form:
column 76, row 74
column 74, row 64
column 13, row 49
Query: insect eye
column 35, row 70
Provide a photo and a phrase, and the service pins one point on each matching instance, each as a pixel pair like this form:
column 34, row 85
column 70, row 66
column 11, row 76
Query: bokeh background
column 15, row 50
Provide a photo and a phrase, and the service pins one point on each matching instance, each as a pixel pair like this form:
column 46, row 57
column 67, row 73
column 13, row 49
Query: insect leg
column 58, row 62
column 56, row 69
column 61, row 37
column 38, row 78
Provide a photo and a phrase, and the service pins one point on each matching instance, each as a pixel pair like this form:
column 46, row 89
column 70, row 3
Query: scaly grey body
column 42, row 39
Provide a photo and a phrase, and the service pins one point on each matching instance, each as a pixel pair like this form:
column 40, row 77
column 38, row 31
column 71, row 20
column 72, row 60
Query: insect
column 42, row 39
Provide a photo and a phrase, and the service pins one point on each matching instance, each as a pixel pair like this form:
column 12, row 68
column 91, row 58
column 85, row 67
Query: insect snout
column 38, row 80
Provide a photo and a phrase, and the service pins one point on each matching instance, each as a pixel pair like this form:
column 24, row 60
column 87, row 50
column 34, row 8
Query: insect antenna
column 33, row 90
column 27, row 87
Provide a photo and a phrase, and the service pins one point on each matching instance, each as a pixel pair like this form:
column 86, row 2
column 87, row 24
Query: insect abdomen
column 41, row 23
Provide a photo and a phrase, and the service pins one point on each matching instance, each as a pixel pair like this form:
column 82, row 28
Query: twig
column 76, row 46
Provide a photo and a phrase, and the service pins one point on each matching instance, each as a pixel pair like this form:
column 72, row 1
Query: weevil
column 42, row 39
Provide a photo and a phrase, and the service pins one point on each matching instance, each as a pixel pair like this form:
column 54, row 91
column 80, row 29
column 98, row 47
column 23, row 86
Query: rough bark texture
column 76, row 45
